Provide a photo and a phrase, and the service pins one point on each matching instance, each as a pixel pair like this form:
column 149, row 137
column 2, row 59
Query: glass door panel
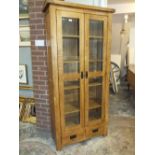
column 95, row 45
column 95, row 55
column 72, row 102
column 95, row 98
column 71, row 59
column 70, row 56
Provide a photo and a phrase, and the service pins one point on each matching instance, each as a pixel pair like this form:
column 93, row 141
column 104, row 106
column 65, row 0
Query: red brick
column 39, row 82
column 41, row 110
column 37, row 54
column 43, row 78
column 39, row 72
column 36, row 21
column 40, row 26
column 37, row 3
column 39, row 64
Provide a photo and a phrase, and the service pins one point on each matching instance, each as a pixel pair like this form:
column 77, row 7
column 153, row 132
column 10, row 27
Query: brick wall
column 39, row 64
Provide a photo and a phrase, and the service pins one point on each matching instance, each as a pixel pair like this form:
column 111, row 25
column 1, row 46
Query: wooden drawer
column 94, row 131
column 73, row 137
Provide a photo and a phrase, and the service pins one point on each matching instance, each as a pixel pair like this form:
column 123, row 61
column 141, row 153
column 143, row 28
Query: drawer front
column 73, row 137
column 131, row 78
column 94, row 131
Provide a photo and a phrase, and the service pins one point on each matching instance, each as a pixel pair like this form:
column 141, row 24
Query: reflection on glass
column 96, row 28
column 70, row 27
column 96, row 46
column 72, row 102
column 95, row 98
column 72, row 119
column 94, row 114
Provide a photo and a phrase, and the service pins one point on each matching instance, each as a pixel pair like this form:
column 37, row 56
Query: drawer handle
column 95, row 130
column 72, row 137
column 81, row 75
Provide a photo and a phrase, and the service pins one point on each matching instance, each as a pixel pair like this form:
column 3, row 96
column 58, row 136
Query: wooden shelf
column 95, row 60
column 95, row 84
column 93, row 118
column 71, row 123
column 71, row 87
column 71, row 58
column 70, row 36
column 70, row 108
column 93, row 104
column 95, row 37
column 71, row 61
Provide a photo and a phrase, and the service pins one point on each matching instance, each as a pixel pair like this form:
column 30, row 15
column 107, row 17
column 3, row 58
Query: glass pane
column 70, row 49
column 72, row 84
column 72, row 102
column 71, row 68
column 96, row 28
column 72, row 119
column 95, row 66
column 96, row 49
column 95, row 97
column 95, row 114
column 70, row 26
column 24, row 22
column 96, row 46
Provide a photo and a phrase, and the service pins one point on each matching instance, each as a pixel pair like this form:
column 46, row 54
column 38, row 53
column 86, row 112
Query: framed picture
column 23, row 7
column 22, row 74
column 24, row 36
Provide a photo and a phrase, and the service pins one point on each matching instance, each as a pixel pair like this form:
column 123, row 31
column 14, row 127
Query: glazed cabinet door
column 70, row 38
column 95, row 62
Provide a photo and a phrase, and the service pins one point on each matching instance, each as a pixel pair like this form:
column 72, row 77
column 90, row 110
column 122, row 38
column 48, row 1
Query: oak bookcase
column 78, row 43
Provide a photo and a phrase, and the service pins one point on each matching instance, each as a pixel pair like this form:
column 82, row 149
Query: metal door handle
column 81, row 75
column 95, row 130
column 86, row 74
column 72, row 137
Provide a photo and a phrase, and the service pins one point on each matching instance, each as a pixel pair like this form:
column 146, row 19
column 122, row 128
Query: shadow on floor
column 120, row 139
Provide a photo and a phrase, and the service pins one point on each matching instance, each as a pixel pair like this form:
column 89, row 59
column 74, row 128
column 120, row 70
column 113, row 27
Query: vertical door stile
column 60, row 65
column 71, row 64
column 95, row 63
column 81, row 44
column 86, row 66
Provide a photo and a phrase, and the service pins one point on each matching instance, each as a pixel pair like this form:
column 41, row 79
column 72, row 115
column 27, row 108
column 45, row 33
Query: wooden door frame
column 62, row 77
column 95, row 74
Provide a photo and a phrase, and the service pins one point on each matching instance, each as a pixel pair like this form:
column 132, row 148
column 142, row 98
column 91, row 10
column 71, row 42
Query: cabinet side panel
column 109, row 28
column 50, row 71
column 54, row 64
column 53, row 75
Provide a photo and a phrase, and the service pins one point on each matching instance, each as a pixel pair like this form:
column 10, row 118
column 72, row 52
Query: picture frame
column 23, row 7
column 24, row 36
column 23, row 74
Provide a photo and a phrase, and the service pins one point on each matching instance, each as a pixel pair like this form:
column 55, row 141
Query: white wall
column 123, row 7
column 132, row 41
column 90, row 2
column 117, row 24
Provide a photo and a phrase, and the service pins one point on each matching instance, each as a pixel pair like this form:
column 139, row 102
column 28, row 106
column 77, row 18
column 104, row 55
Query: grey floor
column 120, row 139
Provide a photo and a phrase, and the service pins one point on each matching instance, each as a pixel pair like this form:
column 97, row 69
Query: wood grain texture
column 76, row 5
column 67, row 97
column 53, row 75
column 131, row 76
column 107, row 79
column 25, row 87
column 71, row 76
column 94, row 74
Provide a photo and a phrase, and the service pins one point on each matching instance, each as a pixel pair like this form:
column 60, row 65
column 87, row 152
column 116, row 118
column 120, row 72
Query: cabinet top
column 76, row 5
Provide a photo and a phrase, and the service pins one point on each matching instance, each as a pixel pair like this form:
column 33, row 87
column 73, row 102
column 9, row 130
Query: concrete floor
column 120, row 139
